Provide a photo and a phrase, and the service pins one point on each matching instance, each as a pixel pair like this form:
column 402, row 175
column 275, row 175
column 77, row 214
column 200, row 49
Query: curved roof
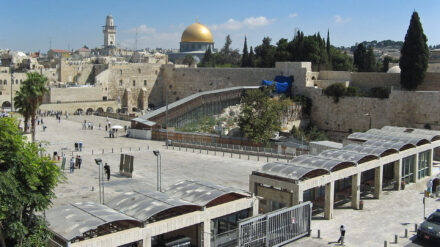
column 373, row 150
column 200, row 193
column 422, row 137
column 197, row 32
column 71, row 221
column 389, row 144
column 143, row 205
column 290, row 171
column 320, row 162
column 432, row 135
column 347, row 155
column 373, row 135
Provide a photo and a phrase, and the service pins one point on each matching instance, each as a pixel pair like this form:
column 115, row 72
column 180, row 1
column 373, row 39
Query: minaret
column 109, row 31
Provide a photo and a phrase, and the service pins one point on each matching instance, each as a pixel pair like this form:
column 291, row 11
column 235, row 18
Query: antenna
column 136, row 42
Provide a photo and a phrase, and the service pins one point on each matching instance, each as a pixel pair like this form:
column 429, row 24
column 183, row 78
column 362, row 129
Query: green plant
column 336, row 90
column 380, row 92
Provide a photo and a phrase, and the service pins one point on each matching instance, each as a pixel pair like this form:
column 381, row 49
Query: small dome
column 197, row 32
column 394, row 69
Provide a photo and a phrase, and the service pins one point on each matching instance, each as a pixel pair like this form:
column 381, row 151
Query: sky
column 37, row 25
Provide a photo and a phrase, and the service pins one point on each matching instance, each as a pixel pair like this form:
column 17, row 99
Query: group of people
column 75, row 162
column 87, row 125
column 78, row 146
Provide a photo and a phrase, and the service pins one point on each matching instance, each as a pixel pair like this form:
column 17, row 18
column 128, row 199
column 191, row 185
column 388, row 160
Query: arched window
column 134, row 83
column 139, row 70
column 145, row 82
column 16, row 81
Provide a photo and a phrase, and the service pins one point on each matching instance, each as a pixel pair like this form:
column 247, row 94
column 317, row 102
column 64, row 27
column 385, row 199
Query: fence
column 276, row 228
column 115, row 115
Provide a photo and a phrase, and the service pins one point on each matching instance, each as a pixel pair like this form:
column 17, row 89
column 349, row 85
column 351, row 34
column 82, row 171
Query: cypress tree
column 207, row 58
column 370, row 60
column 359, row 57
column 328, row 47
column 251, row 58
column 245, row 57
column 414, row 55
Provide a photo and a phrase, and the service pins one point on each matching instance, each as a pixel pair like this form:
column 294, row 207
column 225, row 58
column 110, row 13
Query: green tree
column 328, row 47
column 359, row 57
column 282, row 52
column 251, row 57
column 245, row 56
column 30, row 97
column 208, row 58
column 340, row 61
column 188, row 60
column 265, row 54
column 261, row 115
column 386, row 63
column 414, row 55
column 27, row 183
column 370, row 60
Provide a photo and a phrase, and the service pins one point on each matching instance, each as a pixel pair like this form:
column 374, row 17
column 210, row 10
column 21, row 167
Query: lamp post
column 98, row 162
column 11, row 68
column 159, row 168
column 368, row 115
column 166, row 116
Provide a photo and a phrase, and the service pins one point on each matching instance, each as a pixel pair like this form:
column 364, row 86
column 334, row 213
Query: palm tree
column 21, row 106
column 30, row 97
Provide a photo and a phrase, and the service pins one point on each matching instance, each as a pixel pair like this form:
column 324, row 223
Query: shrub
column 380, row 92
column 336, row 90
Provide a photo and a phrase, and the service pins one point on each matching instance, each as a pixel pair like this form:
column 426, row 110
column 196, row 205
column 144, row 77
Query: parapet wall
column 75, row 94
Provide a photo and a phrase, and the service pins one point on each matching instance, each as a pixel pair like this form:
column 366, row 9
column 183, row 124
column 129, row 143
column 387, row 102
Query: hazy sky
column 30, row 25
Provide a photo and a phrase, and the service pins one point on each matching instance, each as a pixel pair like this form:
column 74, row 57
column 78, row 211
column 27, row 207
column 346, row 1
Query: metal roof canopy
column 316, row 162
column 73, row 220
column 384, row 137
column 143, row 205
column 373, row 150
column 348, row 155
column 398, row 145
column 290, row 171
column 431, row 135
column 200, row 193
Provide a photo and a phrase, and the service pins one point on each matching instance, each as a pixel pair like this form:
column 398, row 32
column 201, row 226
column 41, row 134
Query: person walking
column 107, row 171
column 76, row 146
column 79, row 161
column 72, row 164
column 80, row 146
column 429, row 185
column 341, row 238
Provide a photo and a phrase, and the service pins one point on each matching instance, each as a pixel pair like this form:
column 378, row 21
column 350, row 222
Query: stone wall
column 431, row 83
column 403, row 108
column 75, row 94
column 182, row 82
column 80, row 72
column 71, row 108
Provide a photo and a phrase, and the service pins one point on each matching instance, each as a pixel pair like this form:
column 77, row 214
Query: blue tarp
column 280, row 87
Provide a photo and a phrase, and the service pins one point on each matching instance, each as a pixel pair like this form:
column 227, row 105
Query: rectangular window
column 408, row 169
column 145, row 82
column 424, row 161
column 134, row 83
column 5, row 82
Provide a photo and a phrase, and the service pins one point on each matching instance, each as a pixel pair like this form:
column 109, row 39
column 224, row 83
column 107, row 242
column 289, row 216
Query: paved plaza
column 380, row 219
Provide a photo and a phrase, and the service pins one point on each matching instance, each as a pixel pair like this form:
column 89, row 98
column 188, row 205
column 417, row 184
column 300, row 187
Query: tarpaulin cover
column 280, row 78
column 280, row 87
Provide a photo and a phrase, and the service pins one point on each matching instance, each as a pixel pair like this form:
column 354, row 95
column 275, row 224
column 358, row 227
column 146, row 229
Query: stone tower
column 109, row 31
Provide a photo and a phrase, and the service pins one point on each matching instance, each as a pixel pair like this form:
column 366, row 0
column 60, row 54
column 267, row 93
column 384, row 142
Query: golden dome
column 197, row 32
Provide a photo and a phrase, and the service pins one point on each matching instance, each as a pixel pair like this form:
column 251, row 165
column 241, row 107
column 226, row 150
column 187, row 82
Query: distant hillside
column 391, row 44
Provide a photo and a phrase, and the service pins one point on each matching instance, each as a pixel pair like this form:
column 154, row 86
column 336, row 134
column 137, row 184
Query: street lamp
column 368, row 115
column 98, row 162
column 12, row 69
column 159, row 167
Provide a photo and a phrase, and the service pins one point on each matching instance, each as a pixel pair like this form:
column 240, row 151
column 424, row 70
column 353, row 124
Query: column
column 416, row 168
column 206, row 233
column 329, row 200
column 398, row 173
column 255, row 205
column 355, row 190
column 378, row 178
column 146, row 241
column 297, row 195
column 252, row 185
column 431, row 161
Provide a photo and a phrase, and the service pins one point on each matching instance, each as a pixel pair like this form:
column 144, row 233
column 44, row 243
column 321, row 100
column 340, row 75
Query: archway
column 134, row 109
column 79, row 111
column 6, row 104
column 100, row 110
column 109, row 109
column 89, row 111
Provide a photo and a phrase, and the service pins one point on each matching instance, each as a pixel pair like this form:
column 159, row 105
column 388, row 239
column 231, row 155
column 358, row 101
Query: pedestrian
column 106, row 128
column 99, row 126
column 76, row 146
column 44, row 128
column 110, row 134
column 72, row 164
column 79, row 161
column 341, row 238
column 107, row 171
column 429, row 185
column 80, row 146
column 42, row 121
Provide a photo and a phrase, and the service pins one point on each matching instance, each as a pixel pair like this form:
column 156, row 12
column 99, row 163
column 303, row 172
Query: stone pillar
column 416, row 168
column 378, row 178
column 146, row 241
column 398, row 173
column 329, row 200
column 206, row 233
column 431, row 161
column 355, row 190
column 297, row 195
column 255, row 206
column 252, row 185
